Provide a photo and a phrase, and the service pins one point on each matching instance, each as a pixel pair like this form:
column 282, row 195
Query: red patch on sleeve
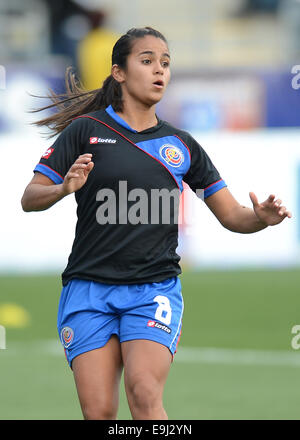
column 48, row 153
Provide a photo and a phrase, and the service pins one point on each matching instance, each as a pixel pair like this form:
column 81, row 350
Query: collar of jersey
column 121, row 121
column 118, row 119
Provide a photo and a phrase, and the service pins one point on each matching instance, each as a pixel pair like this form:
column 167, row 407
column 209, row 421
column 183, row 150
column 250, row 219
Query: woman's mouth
column 159, row 84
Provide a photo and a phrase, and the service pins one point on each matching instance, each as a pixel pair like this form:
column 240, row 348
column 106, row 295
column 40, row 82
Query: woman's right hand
column 77, row 175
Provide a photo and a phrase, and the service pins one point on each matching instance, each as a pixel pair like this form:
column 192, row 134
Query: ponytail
column 76, row 102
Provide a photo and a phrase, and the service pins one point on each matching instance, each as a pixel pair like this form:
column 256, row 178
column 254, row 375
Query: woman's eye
column 146, row 61
column 165, row 64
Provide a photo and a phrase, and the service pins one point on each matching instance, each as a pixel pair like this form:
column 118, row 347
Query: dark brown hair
column 76, row 101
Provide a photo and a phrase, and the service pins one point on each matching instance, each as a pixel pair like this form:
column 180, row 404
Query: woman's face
column 147, row 73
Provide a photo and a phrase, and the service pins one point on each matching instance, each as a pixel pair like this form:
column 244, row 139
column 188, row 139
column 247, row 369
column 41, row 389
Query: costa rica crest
column 66, row 335
column 172, row 155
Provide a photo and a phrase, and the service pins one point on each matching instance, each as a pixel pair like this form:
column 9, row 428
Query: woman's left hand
column 269, row 212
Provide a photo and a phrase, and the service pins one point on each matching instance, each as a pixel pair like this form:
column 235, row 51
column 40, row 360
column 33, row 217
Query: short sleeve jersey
column 127, row 211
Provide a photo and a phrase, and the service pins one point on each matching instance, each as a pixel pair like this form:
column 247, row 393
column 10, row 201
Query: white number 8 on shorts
column 163, row 312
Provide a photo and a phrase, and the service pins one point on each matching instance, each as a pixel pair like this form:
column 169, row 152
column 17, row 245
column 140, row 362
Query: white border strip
column 190, row 355
column 180, row 322
column 237, row 356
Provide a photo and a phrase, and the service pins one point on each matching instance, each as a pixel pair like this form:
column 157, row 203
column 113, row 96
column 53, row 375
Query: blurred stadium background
column 236, row 87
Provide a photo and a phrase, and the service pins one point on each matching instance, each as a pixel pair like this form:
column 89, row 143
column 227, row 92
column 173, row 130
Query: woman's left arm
column 238, row 218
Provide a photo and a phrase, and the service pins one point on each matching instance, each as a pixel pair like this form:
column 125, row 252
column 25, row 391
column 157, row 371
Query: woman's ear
column 117, row 73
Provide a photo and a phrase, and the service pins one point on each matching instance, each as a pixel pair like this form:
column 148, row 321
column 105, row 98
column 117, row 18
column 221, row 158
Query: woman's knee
column 99, row 411
column 144, row 392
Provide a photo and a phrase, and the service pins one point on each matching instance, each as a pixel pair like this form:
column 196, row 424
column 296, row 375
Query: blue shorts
column 90, row 313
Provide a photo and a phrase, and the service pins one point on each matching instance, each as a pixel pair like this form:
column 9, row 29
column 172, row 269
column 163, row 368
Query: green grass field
column 234, row 359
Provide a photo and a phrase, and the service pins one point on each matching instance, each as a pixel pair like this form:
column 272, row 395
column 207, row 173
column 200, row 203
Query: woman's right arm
column 42, row 192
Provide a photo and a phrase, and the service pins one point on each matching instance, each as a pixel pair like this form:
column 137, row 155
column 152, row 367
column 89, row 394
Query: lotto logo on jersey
column 172, row 155
column 66, row 336
column 48, row 153
column 96, row 140
column 158, row 325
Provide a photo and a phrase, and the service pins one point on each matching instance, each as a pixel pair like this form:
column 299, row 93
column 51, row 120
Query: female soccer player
column 121, row 304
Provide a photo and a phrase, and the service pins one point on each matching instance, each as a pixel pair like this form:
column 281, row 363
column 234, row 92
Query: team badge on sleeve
column 172, row 155
column 66, row 336
column 48, row 153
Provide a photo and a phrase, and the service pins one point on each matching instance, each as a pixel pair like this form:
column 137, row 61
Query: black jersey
column 127, row 226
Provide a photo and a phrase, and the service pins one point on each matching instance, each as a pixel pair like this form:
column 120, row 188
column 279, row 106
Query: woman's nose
column 159, row 68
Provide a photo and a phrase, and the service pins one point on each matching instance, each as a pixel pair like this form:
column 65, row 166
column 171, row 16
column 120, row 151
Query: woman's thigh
column 97, row 375
column 146, row 367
